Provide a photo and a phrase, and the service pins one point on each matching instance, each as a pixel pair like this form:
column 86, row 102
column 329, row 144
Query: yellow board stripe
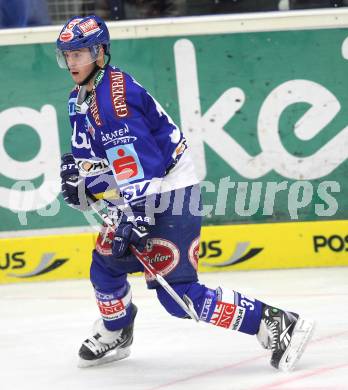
column 223, row 248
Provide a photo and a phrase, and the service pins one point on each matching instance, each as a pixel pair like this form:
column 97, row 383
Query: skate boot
column 107, row 346
column 285, row 334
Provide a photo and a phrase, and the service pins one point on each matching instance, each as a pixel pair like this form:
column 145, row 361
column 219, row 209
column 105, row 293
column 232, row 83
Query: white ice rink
column 42, row 326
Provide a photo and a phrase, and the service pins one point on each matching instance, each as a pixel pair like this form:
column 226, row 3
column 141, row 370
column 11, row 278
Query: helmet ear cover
column 106, row 48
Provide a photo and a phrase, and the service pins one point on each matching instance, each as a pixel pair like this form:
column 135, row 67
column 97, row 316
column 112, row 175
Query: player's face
column 80, row 63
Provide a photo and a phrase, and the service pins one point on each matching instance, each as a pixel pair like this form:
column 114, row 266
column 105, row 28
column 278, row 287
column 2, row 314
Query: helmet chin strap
column 95, row 70
column 90, row 76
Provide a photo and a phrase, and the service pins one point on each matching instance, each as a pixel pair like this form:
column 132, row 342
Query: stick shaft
column 140, row 256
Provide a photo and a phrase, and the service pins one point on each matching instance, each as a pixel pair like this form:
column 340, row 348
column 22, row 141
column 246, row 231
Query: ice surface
column 43, row 324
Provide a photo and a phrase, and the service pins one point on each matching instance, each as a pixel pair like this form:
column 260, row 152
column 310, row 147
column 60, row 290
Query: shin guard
column 232, row 310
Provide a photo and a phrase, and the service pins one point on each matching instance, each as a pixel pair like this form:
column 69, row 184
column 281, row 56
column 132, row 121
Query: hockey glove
column 73, row 185
column 129, row 234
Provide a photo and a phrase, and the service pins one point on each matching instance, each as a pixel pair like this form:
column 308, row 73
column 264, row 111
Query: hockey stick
column 185, row 303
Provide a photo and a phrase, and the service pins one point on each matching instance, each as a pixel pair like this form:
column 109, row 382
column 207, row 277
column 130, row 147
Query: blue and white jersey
column 124, row 143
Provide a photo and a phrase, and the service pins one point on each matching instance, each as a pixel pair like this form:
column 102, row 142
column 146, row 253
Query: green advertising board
column 266, row 115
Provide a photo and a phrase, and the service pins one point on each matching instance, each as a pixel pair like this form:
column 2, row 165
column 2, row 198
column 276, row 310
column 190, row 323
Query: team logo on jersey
column 163, row 255
column 193, row 252
column 66, row 36
column 125, row 163
column 89, row 27
column 137, row 190
column 118, row 94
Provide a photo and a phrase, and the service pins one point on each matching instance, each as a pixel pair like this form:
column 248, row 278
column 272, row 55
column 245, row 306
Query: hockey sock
column 115, row 307
column 230, row 309
column 220, row 307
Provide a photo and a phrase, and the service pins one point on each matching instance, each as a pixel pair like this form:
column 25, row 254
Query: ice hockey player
column 127, row 151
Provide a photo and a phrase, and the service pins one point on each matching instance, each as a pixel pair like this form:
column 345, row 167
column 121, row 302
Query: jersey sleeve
column 72, row 107
column 134, row 155
column 166, row 133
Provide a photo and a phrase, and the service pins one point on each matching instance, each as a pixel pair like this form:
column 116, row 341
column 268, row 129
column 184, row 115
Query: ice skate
column 107, row 346
column 286, row 334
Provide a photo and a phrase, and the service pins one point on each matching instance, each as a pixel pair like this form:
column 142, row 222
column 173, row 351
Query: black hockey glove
column 73, row 185
column 129, row 233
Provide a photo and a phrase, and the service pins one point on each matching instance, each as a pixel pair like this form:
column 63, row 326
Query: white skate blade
column 116, row 354
column 300, row 337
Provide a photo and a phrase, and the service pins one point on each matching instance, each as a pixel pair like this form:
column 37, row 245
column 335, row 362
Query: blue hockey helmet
column 83, row 32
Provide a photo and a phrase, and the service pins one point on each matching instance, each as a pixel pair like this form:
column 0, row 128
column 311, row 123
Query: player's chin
column 76, row 76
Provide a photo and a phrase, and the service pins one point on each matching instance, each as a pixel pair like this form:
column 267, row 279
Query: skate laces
column 272, row 327
column 97, row 347
column 280, row 328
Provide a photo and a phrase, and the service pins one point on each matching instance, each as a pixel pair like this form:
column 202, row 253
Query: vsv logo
column 208, row 128
column 135, row 190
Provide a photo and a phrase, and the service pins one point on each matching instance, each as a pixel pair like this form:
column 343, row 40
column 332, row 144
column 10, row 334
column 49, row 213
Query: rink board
column 260, row 97
column 223, row 248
